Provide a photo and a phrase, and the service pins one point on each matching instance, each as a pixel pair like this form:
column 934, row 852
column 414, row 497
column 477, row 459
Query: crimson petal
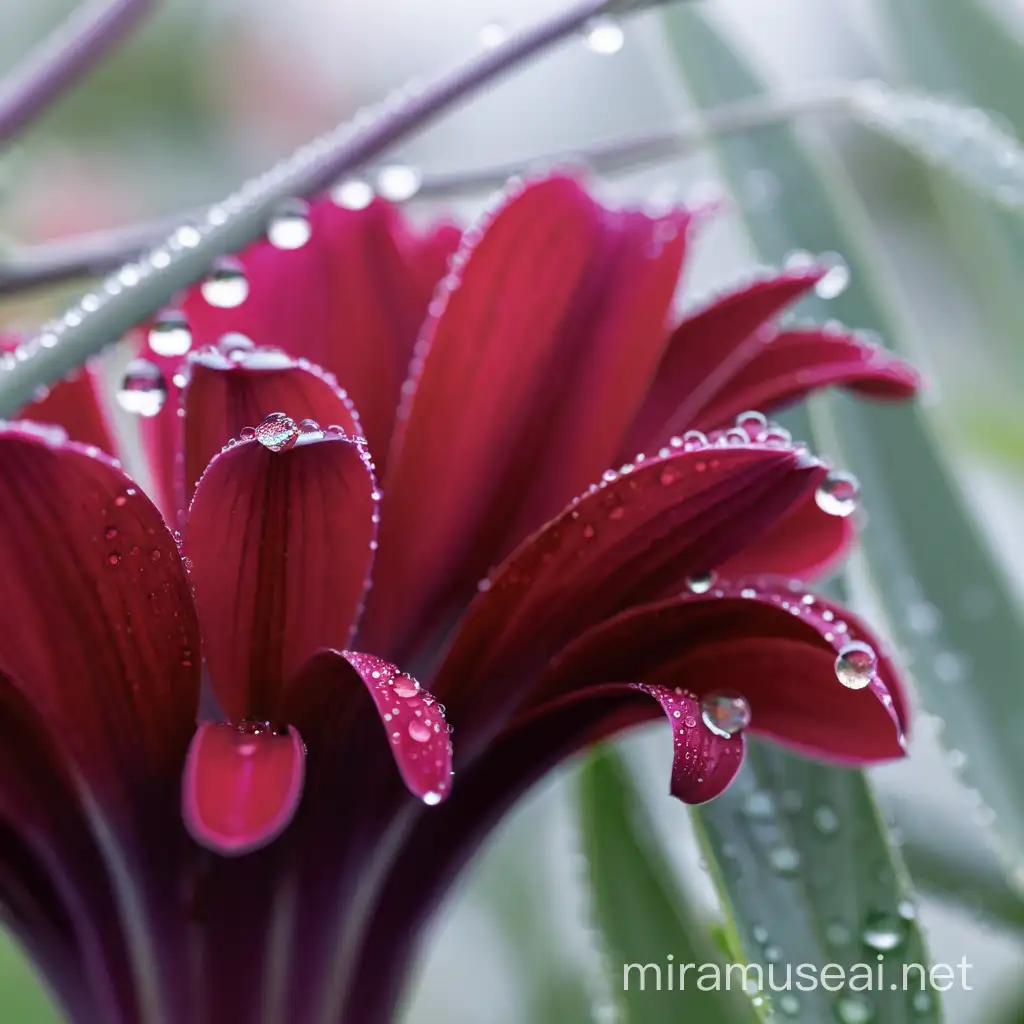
column 241, row 787
column 413, row 721
column 281, row 545
column 225, row 394
column 792, row 363
column 804, row 544
column 350, row 299
column 665, row 520
column 766, row 640
column 73, row 404
column 709, row 347
column 553, row 289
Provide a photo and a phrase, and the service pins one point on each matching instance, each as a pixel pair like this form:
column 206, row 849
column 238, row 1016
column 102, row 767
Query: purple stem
column 63, row 57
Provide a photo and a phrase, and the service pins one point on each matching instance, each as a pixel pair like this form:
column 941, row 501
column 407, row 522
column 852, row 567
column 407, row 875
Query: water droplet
column 884, row 932
column 114, row 557
column 431, row 799
column 856, row 664
column 352, row 194
column 277, row 432
column 170, row 335
column 854, row 1010
column 143, row 389
column 776, row 436
column 734, row 436
column 310, row 429
column 837, row 493
column 753, row 423
column 836, row 277
column 604, row 36
column 694, row 439
column 922, row 1003
column 759, row 805
column 289, row 227
column 110, row 533
column 760, row 934
column 789, row 1004
column 419, row 731
column 798, row 259
column 725, row 714
column 493, row 34
column 837, row 934
column 235, row 346
column 785, row 860
column 826, row 821
column 225, row 286
column 405, row 686
column 399, row 182
column 700, row 583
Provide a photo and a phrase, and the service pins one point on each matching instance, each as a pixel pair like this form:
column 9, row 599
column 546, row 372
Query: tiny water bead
column 836, row 277
column 826, row 821
column 752, row 423
column 856, row 664
column 352, row 194
column 725, row 714
column 289, row 227
column 225, row 286
column 309, row 430
column 854, row 1010
column 785, row 860
column 604, row 37
column 700, row 583
column 884, row 932
column 235, row 346
column 837, row 493
column 277, row 432
column 419, row 731
column 170, row 334
column 398, row 182
column 143, row 390
column 405, row 686
column 493, row 34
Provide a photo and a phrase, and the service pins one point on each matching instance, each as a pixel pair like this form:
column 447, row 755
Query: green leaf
column 641, row 915
column 961, row 47
column 23, row 999
column 803, row 861
column 947, row 600
column 962, row 140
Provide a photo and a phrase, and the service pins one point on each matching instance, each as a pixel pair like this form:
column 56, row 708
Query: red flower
column 545, row 598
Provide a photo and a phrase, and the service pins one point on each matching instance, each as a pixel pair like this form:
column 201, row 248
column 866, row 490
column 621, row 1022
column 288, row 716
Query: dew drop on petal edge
column 143, row 389
column 352, row 194
column 837, row 493
column 836, row 277
column 170, row 334
column 398, row 182
column 289, row 227
column 277, row 432
column 725, row 714
column 225, row 286
column 700, row 583
column 855, row 665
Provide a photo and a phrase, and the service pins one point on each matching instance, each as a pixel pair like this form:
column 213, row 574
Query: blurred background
column 209, row 93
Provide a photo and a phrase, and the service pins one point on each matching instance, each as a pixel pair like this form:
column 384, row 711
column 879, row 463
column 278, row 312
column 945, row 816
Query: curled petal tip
column 242, row 785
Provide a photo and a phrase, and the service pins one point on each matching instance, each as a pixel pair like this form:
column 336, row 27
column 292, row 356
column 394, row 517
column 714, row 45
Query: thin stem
column 100, row 252
column 64, row 56
column 139, row 290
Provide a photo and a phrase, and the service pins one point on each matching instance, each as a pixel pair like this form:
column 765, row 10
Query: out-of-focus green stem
column 102, row 251
column 954, row 864
column 92, row 30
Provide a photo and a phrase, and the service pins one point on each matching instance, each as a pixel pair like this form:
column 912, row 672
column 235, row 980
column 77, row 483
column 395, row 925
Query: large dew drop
column 170, row 335
column 143, row 389
column 289, row 228
column 700, row 583
column 225, row 286
column 352, row 194
column 884, row 932
column 277, row 432
column 398, row 182
column 836, row 277
column 605, row 37
column 855, row 665
column 725, row 714
column 837, row 493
